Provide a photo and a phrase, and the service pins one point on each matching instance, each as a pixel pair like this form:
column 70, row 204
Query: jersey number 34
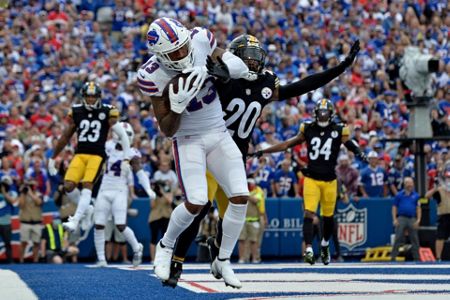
column 318, row 149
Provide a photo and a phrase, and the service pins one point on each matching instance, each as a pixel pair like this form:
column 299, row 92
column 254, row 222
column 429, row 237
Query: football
column 174, row 81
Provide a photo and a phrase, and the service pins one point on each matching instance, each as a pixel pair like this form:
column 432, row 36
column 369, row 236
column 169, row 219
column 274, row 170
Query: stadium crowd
column 48, row 49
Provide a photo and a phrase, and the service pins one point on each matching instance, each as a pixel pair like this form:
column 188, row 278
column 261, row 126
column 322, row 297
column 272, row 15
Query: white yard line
column 14, row 288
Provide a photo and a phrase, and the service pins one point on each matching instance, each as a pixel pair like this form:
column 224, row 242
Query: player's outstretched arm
column 62, row 142
column 300, row 138
column 316, row 81
column 143, row 179
column 351, row 145
column 123, row 137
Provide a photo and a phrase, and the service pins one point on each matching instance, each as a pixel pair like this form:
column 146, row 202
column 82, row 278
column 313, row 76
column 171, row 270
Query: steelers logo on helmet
column 324, row 112
column 248, row 48
column 91, row 93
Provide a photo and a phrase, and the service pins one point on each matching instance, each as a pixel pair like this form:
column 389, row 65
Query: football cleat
column 87, row 221
column 101, row 264
column 71, row 225
column 137, row 257
column 223, row 269
column 161, row 264
column 308, row 257
column 325, row 254
column 176, row 268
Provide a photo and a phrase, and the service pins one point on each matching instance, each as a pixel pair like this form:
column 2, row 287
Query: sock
column 74, row 195
column 85, row 200
column 308, row 230
column 131, row 238
column 99, row 241
column 328, row 224
column 180, row 219
column 232, row 224
column 218, row 240
column 186, row 238
column 309, row 249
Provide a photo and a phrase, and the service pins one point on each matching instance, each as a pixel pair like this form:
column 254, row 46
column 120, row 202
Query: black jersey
column 92, row 127
column 242, row 103
column 323, row 144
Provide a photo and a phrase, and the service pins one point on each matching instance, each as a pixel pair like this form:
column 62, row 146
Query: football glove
column 181, row 99
column 218, row 69
column 52, row 167
column 199, row 73
column 348, row 61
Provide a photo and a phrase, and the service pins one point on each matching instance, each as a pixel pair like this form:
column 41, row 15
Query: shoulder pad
column 145, row 79
column 304, row 125
column 204, row 36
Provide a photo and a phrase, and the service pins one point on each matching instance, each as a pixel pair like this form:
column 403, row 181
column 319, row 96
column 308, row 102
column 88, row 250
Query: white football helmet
column 128, row 129
column 165, row 36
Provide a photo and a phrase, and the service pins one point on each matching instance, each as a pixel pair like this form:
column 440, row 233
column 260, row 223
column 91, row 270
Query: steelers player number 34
column 318, row 149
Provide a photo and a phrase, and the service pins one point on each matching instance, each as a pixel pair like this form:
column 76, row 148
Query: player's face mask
column 91, row 102
column 323, row 117
column 254, row 58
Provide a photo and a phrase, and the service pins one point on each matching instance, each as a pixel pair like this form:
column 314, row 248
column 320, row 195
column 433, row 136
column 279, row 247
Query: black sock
column 188, row 235
column 219, row 233
column 308, row 231
column 328, row 224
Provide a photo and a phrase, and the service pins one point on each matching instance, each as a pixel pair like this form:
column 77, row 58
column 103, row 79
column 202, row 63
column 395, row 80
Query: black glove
column 256, row 154
column 352, row 54
column 218, row 69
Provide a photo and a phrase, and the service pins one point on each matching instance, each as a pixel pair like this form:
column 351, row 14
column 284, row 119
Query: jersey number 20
column 246, row 115
column 90, row 131
column 318, row 149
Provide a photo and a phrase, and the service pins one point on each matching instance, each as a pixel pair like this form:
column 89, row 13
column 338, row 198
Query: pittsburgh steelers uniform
column 320, row 185
column 242, row 103
column 92, row 132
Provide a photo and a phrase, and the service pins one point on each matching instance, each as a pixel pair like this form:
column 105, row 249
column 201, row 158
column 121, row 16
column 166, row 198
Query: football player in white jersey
column 193, row 117
column 113, row 196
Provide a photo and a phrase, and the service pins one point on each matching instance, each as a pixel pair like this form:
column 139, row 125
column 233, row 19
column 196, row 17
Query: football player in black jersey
column 324, row 139
column 91, row 120
column 242, row 104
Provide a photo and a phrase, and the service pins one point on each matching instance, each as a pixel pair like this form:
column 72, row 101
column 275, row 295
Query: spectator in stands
column 406, row 215
column 7, row 199
column 285, row 181
column 396, row 175
column 347, row 177
column 54, row 245
column 264, row 176
column 165, row 173
column 441, row 193
column 373, row 178
column 249, row 237
column 160, row 211
column 30, row 215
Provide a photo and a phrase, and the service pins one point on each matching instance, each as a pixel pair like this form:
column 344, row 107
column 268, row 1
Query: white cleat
column 101, row 264
column 88, row 218
column 161, row 264
column 223, row 269
column 137, row 257
column 71, row 225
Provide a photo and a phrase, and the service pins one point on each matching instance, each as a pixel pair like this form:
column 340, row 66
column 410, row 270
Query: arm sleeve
column 124, row 141
column 236, row 66
column 144, row 181
column 351, row 145
column 310, row 83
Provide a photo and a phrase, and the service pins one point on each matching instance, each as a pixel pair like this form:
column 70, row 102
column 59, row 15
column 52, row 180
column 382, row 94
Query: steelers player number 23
column 90, row 131
column 249, row 115
column 318, row 149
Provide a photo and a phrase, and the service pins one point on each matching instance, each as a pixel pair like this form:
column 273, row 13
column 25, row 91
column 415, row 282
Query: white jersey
column 113, row 177
column 204, row 112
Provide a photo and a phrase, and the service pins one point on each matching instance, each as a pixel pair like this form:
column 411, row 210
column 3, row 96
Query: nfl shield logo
column 352, row 231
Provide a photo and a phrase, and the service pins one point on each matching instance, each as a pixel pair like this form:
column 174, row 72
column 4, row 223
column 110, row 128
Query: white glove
column 200, row 73
column 179, row 101
column 52, row 167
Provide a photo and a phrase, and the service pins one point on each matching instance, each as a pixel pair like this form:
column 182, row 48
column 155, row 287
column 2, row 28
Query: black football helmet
column 324, row 112
column 248, row 48
column 92, row 90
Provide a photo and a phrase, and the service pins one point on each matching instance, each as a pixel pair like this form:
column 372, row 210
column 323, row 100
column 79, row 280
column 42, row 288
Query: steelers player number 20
column 247, row 116
column 318, row 149
column 90, row 131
